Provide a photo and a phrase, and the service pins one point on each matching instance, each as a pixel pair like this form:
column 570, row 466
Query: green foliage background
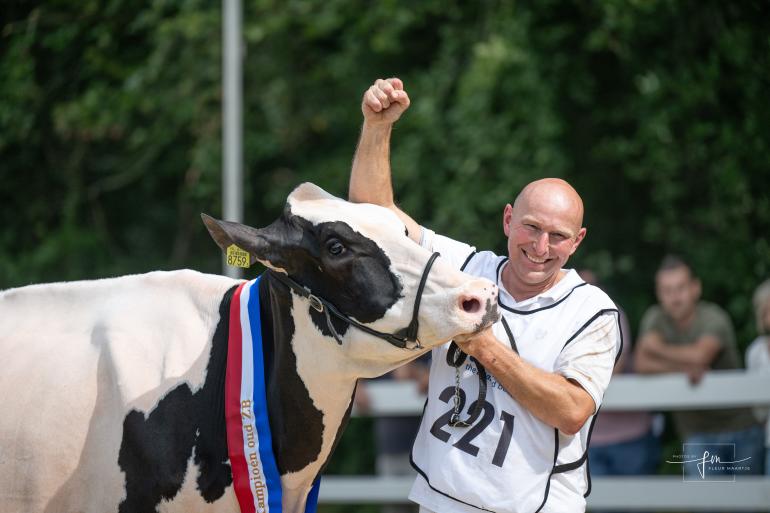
column 657, row 111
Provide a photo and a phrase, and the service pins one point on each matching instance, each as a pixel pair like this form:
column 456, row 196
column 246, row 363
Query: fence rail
column 661, row 392
column 666, row 392
column 651, row 493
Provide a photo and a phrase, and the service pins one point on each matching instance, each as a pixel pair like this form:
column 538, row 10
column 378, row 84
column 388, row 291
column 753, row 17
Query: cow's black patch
column 296, row 424
column 155, row 448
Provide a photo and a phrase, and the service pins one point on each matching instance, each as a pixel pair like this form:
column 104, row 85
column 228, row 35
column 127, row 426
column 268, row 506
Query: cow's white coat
column 77, row 357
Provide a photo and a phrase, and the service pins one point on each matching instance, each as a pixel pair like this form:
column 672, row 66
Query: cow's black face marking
column 344, row 267
column 154, row 451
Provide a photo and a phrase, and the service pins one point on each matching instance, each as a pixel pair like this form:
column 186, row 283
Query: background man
column 684, row 334
column 549, row 358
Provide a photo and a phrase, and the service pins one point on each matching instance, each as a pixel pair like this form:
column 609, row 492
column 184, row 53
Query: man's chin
column 539, row 277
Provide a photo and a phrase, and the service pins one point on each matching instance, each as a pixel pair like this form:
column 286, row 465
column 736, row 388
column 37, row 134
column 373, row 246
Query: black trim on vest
column 588, row 323
column 467, row 260
column 588, row 460
column 499, row 266
column 555, row 456
column 566, row 467
column 511, row 339
column 528, row 312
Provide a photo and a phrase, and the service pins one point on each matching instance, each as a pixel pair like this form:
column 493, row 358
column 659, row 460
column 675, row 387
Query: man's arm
column 370, row 176
column 654, row 355
column 554, row 399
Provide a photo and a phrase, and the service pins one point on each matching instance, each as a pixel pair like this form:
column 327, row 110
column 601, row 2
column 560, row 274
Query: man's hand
column 384, row 102
column 474, row 343
column 695, row 374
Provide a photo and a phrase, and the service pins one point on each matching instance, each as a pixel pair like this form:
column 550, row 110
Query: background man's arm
column 370, row 176
column 654, row 355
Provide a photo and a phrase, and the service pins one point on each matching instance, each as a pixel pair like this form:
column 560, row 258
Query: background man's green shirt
column 710, row 319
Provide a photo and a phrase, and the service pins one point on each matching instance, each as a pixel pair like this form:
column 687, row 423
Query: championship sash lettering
column 256, row 480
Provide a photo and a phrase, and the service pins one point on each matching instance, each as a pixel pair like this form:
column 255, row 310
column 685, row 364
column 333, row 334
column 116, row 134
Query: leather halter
column 398, row 339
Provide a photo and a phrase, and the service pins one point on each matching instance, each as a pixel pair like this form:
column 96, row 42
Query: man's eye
column 334, row 247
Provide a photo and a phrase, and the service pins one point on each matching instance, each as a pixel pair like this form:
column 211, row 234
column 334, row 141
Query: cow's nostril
column 471, row 305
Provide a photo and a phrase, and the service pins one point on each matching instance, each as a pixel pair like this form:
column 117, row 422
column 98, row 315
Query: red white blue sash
column 256, row 480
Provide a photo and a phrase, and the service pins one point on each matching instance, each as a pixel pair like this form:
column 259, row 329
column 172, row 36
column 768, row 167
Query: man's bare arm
column 653, row 355
column 700, row 353
column 370, row 176
column 552, row 398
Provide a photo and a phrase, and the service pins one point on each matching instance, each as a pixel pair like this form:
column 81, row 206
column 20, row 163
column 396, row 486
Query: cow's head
column 359, row 258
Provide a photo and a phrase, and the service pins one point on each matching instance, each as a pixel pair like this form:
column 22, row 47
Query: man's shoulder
column 713, row 319
column 653, row 319
column 597, row 296
column 582, row 295
column 757, row 346
column 484, row 263
column 653, row 311
column 712, row 310
column 758, row 353
column 589, row 304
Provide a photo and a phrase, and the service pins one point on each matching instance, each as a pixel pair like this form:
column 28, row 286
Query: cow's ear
column 227, row 233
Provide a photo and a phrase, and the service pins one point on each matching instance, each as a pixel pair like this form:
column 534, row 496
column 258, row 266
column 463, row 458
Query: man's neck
column 521, row 291
column 685, row 322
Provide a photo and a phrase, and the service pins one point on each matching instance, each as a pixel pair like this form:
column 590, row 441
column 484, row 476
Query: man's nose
column 541, row 243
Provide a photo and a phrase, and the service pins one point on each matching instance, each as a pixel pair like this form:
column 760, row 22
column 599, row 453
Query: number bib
column 504, row 461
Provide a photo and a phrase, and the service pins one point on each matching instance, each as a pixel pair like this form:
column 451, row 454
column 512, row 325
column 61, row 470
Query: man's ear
column 507, row 214
column 578, row 239
column 697, row 288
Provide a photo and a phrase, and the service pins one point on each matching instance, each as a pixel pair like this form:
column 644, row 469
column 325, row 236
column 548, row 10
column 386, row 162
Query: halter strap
column 398, row 339
column 411, row 331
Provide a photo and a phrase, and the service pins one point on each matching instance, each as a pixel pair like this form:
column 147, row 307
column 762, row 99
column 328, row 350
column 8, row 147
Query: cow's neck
column 304, row 432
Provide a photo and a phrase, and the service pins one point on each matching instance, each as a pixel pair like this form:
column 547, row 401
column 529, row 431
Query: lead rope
column 455, row 358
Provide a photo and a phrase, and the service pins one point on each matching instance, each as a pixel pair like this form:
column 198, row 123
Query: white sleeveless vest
column 505, row 460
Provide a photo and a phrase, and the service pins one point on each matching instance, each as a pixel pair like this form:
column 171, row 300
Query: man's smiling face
column 543, row 229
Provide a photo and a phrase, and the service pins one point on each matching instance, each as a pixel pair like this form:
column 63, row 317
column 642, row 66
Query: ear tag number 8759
column 237, row 257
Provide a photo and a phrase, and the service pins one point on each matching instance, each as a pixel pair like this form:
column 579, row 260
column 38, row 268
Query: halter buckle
column 315, row 303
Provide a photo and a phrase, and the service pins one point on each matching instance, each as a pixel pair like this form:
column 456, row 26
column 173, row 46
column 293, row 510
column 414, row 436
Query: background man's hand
column 384, row 102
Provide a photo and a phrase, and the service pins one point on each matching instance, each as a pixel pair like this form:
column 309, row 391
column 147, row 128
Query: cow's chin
column 489, row 319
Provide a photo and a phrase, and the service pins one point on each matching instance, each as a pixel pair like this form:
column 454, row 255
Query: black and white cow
column 112, row 390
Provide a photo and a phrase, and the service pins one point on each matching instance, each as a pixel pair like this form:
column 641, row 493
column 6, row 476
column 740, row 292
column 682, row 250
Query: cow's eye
column 334, row 247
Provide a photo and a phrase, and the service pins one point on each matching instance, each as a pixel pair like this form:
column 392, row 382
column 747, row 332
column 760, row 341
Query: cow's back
column 76, row 358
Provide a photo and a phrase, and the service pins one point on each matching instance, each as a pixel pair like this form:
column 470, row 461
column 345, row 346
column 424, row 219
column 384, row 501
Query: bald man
column 505, row 429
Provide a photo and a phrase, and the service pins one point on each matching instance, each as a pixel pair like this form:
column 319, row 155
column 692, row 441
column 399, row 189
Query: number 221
column 464, row 443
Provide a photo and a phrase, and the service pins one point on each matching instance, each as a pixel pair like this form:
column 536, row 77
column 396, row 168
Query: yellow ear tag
column 236, row 257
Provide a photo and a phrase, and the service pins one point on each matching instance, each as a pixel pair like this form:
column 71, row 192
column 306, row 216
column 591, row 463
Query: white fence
column 644, row 493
